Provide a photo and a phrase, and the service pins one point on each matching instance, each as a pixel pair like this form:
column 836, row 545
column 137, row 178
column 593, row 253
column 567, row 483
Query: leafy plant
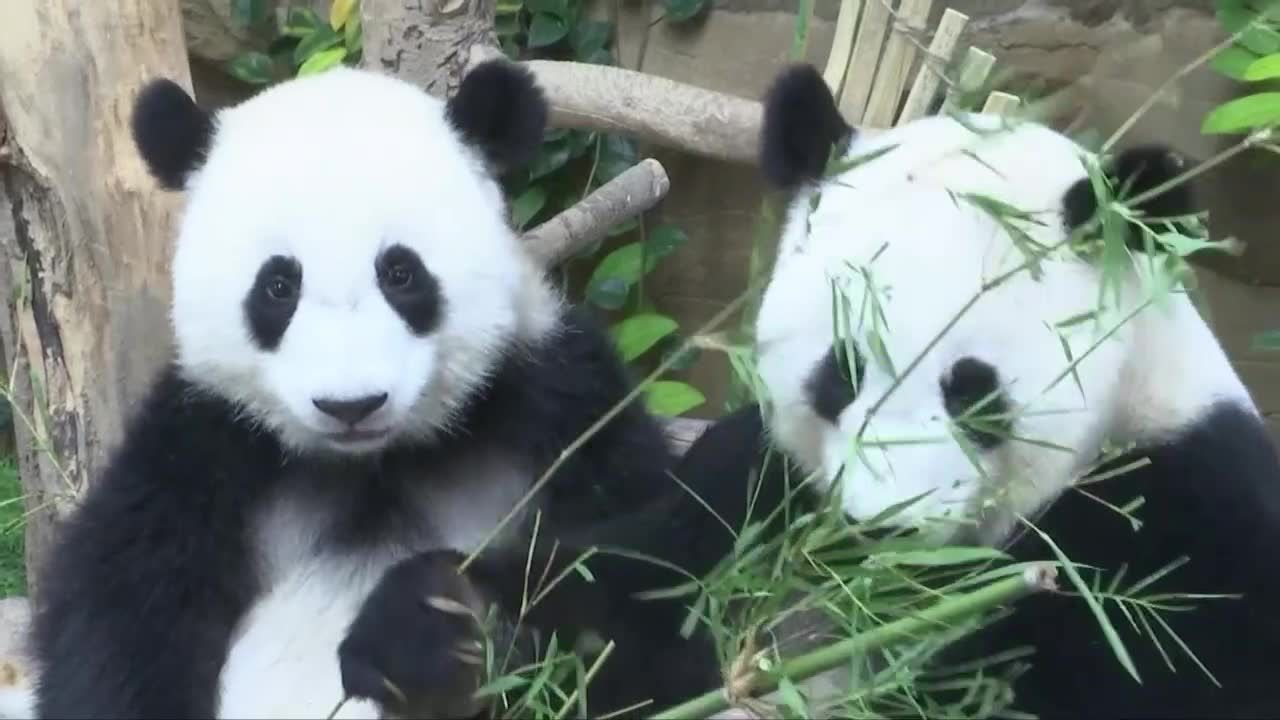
column 1253, row 57
column 304, row 43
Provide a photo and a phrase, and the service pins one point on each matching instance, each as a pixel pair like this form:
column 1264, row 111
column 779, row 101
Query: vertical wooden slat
column 842, row 45
column 899, row 56
column 928, row 78
column 865, row 58
column 973, row 73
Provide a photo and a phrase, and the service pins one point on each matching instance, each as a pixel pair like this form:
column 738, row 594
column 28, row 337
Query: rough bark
column 427, row 42
column 86, row 243
column 634, row 191
column 649, row 108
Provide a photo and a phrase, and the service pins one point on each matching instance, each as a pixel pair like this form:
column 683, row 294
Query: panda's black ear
column 500, row 110
column 172, row 132
column 1130, row 173
column 801, row 125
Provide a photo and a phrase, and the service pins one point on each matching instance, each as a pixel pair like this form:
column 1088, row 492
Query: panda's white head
column 894, row 311
column 344, row 269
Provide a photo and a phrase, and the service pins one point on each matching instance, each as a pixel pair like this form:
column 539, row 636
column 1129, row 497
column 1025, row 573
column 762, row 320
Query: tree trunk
column 86, row 237
column 427, row 42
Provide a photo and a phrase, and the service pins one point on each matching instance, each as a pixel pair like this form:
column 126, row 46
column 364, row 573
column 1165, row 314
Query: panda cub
column 953, row 368
column 370, row 374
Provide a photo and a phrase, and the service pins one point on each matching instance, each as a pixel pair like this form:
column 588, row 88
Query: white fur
column 330, row 169
column 932, row 253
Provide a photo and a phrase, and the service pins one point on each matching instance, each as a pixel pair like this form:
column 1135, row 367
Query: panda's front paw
column 416, row 645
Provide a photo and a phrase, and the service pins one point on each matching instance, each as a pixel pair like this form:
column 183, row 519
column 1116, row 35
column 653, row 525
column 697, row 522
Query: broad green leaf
column 322, row 61
column 579, row 142
column 353, row 34
column 546, row 29
column 252, row 67
column 682, row 10
column 671, row 397
column 1267, row 341
column 340, row 12
column 1243, row 114
column 666, row 239
column 300, row 21
column 635, row 335
column 526, row 207
column 1233, row 62
column 617, row 154
column 1264, row 68
column 322, row 39
column 501, row 685
column 246, row 13
column 609, row 293
column 624, row 264
column 1260, row 39
column 551, row 156
column 509, row 7
column 557, row 8
column 589, row 37
column 507, row 26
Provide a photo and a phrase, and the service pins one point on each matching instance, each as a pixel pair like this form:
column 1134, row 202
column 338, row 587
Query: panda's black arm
column 149, row 575
column 617, row 490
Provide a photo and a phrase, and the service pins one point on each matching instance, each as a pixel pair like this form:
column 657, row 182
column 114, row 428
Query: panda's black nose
column 353, row 410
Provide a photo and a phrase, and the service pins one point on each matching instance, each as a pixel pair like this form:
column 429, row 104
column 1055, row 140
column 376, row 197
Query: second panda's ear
column 172, row 132
column 801, row 125
column 1132, row 172
column 500, row 110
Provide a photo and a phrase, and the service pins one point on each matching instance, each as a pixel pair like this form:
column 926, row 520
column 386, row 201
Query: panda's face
column 344, row 269
column 905, row 354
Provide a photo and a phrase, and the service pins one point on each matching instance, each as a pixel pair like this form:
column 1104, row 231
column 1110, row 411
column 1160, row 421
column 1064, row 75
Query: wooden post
column 427, row 42
column 86, row 236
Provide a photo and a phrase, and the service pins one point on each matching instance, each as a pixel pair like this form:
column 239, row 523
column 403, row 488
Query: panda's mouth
column 356, row 440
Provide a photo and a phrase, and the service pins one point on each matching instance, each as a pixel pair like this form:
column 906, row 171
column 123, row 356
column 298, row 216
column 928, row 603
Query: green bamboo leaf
column 546, row 29
column 589, row 37
column 1243, row 114
column 254, row 68
column 941, row 556
column 353, row 34
column 1264, row 68
column 322, row 61
column 635, row 335
column 671, row 397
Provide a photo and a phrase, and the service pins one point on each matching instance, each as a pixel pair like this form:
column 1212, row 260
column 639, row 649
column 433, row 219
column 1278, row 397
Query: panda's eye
column 398, row 276
column 280, row 289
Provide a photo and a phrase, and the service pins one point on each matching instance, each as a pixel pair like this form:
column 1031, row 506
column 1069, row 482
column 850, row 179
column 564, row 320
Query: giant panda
column 370, row 373
column 971, row 406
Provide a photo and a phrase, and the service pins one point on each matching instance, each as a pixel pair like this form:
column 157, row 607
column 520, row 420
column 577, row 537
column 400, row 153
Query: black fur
column 973, row 385
column 172, row 132
column 1131, row 172
column 501, row 111
column 152, row 572
column 410, row 289
column 271, row 302
column 421, row 671
column 801, row 126
column 1211, row 494
column 829, row 387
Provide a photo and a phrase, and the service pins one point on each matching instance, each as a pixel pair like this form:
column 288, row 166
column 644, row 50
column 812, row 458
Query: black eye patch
column 272, row 300
column 975, row 385
column 410, row 289
column 830, row 387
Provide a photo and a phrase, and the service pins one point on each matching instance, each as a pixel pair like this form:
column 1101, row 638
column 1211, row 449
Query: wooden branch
column 428, row 42
column 632, row 192
column 650, row 108
column 87, row 244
